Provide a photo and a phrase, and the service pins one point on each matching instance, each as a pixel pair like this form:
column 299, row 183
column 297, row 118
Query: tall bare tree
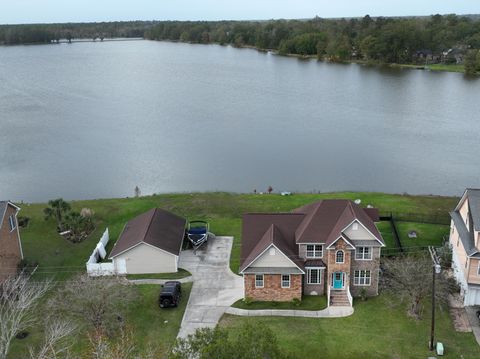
column 409, row 278
column 19, row 298
column 98, row 302
column 56, row 342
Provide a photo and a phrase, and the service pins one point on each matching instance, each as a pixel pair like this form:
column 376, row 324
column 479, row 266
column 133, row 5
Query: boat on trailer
column 197, row 232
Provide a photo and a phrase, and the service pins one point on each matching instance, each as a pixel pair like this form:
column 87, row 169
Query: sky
column 48, row 11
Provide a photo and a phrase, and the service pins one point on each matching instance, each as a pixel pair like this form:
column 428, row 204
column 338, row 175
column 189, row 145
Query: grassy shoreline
column 61, row 259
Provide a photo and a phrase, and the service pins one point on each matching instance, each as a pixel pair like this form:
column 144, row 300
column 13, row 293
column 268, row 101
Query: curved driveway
column 215, row 287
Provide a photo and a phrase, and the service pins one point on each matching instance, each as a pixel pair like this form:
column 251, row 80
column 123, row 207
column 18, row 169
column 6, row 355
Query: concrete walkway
column 214, row 288
column 330, row 312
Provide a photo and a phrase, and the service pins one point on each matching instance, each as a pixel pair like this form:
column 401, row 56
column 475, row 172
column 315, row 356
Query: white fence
column 95, row 269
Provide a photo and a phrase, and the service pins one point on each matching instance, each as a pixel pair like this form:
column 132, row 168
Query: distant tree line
column 388, row 40
column 405, row 40
column 47, row 33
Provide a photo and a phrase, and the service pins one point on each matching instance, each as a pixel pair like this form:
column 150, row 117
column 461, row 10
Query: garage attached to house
column 150, row 243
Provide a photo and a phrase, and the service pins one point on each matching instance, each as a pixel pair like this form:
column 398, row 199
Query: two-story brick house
column 465, row 244
column 328, row 247
column 10, row 246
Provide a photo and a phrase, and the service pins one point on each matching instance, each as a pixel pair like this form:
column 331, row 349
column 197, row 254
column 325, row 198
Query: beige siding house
column 465, row 244
column 150, row 243
column 330, row 247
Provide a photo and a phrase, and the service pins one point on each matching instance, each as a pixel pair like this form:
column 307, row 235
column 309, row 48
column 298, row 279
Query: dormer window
column 339, row 257
column 314, row 251
column 12, row 222
column 355, row 226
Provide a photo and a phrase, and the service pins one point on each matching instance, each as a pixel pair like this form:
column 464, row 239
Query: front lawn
column 375, row 330
column 152, row 326
column 308, row 302
column 182, row 273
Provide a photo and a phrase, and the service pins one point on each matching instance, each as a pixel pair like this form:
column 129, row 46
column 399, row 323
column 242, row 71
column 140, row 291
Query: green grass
column 375, row 330
column 385, row 230
column 182, row 273
column 151, row 325
column 427, row 234
column 309, row 302
column 445, row 67
column 60, row 258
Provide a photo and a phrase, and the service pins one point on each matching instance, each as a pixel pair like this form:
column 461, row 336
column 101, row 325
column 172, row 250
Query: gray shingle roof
column 273, row 270
column 473, row 196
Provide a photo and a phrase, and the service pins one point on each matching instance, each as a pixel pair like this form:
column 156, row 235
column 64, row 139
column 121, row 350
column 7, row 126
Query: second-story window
column 314, row 251
column 339, row 257
column 363, row 253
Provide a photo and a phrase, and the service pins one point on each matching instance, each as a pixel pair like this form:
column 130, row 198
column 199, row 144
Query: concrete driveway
column 215, row 287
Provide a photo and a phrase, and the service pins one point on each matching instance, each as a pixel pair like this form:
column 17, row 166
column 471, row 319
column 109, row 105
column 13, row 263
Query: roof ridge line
column 149, row 224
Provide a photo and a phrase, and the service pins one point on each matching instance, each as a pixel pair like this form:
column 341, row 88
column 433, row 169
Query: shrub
column 248, row 300
column 296, row 302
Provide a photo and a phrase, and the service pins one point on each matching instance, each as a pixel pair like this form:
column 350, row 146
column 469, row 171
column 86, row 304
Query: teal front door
column 337, row 280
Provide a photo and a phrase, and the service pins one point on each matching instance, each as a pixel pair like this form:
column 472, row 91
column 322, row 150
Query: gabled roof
column 325, row 220
column 260, row 230
column 318, row 222
column 157, row 227
column 3, row 210
column 473, row 196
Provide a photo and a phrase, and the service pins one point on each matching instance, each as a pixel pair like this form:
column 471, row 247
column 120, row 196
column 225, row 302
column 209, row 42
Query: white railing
column 349, row 295
column 328, row 295
column 96, row 269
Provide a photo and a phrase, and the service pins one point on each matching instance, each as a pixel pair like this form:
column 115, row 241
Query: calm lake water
column 92, row 120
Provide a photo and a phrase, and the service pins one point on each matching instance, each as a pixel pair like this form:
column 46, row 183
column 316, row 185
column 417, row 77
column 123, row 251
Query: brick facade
column 272, row 289
column 332, row 266
column 10, row 252
column 371, row 265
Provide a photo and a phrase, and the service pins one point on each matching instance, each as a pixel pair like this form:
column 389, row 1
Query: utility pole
column 436, row 269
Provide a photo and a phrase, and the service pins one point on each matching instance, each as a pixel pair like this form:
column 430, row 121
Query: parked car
column 170, row 294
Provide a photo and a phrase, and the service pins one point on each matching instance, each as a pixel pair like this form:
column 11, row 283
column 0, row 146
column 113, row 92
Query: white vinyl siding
column 362, row 278
column 363, row 253
column 285, row 280
column 314, row 276
column 144, row 258
column 258, row 280
column 269, row 259
column 314, row 251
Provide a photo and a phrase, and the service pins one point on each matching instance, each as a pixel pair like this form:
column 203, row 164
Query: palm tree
column 57, row 210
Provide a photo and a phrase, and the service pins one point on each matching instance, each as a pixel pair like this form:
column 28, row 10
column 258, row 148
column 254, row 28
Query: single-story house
column 10, row 244
column 150, row 243
column 329, row 247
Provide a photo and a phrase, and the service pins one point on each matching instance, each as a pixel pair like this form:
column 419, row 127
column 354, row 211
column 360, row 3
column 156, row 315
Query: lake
column 91, row 120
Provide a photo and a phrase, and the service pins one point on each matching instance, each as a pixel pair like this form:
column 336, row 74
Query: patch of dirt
column 460, row 320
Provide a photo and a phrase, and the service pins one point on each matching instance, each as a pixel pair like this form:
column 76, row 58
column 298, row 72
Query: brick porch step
column 339, row 298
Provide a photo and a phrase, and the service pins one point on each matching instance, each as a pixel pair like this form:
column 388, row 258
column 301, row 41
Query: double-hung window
column 285, row 280
column 363, row 253
column 12, row 222
column 362, row 277
column 314, row 276
column 258, row 280
column 314, row 251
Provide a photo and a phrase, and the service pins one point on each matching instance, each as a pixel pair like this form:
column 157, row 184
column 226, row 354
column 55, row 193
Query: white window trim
column 343, row 256
column 314, row 251
column 478, row 269
column 363, row 254
column 320, row 272
column 263, row 281
column 364, row 278
column 281, row 280
column 12, row 222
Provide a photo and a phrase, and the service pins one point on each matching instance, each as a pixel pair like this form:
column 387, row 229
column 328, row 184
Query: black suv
column 170, row 294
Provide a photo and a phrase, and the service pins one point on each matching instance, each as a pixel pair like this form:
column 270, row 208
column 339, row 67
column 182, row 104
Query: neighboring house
column 328, row 247
column 150, row 243
column 465, row 243
column 10, row 245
